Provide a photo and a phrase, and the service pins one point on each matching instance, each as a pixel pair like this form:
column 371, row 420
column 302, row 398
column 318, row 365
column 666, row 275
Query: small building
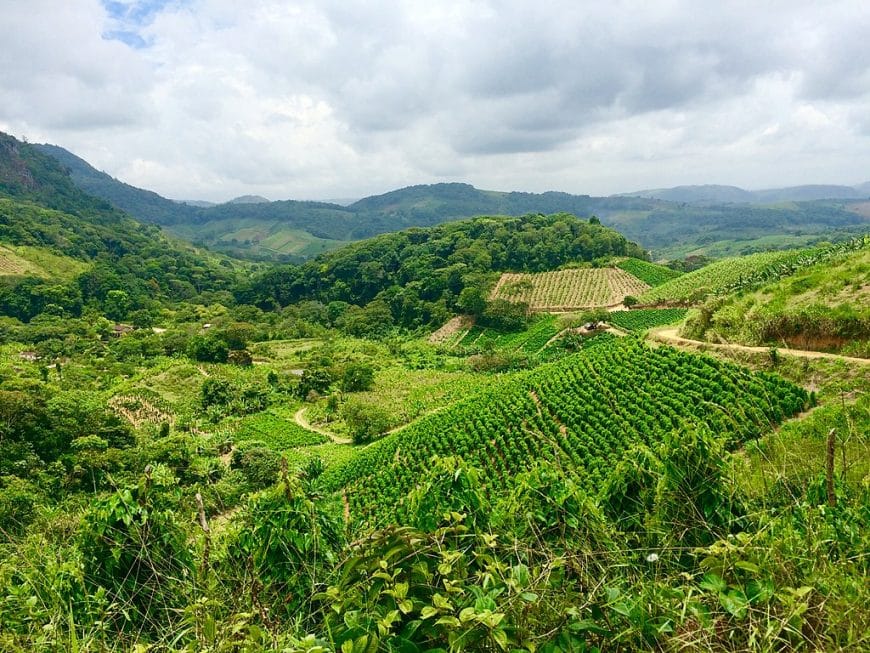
column 119, row 330
column 31, row 356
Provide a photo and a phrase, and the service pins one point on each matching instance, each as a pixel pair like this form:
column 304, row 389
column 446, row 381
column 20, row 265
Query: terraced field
column 569, row 290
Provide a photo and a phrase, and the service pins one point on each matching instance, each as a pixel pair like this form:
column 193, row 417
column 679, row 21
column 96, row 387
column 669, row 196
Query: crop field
column 584, row 411
column 650, row 273
column 23, row 260
column 739, row 273
column 13, row 265
column 530, row 341
column 568, row 290
column 643, row 319
column 277, row 433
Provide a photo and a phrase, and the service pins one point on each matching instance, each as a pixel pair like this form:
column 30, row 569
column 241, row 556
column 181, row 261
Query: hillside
column 100, row 256
column 420, row 276
column 823, row 307
column 294, row 230
column 739, row 273
column 568, row 290
column 713, row 194
column 583, row 413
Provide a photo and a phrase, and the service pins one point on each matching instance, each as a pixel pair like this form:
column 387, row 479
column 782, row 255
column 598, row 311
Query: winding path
column 670, row 335
column 302, row 421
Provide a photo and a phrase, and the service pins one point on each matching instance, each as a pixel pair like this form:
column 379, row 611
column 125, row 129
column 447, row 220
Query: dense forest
column 131, row 267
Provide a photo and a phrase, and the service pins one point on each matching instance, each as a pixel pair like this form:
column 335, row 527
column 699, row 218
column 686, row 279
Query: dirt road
column 670, row 335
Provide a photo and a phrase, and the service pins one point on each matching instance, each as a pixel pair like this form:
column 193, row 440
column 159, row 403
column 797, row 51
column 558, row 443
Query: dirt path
column 670, row 335
column 301, row 420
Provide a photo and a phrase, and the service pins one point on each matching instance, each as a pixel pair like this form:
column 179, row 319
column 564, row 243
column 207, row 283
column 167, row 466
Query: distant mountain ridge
column 690, row 219
column 716, row 194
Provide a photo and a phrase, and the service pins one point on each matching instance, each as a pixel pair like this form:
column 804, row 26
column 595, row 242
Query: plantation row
column 566, row 290
column 649, row 273
column 529, row 341
column 647, row 318
column 583, row 412
column 734, row 274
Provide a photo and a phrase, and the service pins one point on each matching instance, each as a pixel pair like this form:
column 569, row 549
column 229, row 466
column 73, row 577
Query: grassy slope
column 823, row 306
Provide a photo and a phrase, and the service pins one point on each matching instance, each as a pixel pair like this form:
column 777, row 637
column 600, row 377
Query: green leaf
column 448, row 620
column 428, row 612
column 713, row 583
column 745, row 565
column 500, row 638
column 735, row 603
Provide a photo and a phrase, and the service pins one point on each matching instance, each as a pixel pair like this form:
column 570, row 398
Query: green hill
column 293, row 230
column 422, row 275
column 739, row 273
column 96, row 249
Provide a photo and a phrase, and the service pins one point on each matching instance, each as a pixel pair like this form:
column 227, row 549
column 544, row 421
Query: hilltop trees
column 418, row 276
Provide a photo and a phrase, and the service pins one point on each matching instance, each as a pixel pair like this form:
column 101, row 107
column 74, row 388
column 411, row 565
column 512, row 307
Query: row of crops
column 583, row 411
column 530, row 341
column 649, row 273
column 565, row 290
column 646, row 318
column 739, row 273
column 277, row 433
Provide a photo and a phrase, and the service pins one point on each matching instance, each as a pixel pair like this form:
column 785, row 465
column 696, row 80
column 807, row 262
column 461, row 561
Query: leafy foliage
column 642, row 319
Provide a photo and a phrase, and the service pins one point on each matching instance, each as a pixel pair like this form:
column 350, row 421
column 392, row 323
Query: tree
column 117, row 304
column 471, row 301
column 208, row 349
column 357, row 377
column 314, row 379
column 366, row 421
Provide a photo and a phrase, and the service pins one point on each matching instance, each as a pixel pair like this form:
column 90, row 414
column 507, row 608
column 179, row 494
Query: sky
column 211, row 99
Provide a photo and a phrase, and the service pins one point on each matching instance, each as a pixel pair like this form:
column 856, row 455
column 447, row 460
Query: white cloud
column 340, row 98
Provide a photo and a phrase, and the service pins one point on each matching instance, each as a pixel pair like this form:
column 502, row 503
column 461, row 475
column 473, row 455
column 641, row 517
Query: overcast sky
column 209, row 99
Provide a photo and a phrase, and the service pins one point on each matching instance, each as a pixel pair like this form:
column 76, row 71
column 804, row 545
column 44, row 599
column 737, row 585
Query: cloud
column 212, row 98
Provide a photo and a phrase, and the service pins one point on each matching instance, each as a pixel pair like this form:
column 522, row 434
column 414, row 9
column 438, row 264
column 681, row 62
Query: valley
column 495, row 432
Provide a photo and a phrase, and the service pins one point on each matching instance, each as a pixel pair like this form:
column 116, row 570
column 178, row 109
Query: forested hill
column 295, row 230
column 129, row 266
column 421, row 275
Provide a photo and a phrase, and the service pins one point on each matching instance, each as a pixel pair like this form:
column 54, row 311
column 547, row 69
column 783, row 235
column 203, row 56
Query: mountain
column 200, row 204
column 808, row 193
column 687, row 220
column 708, row 193
column 249, row 199
column 713, row 194
column 113, row 263
column 142, row 204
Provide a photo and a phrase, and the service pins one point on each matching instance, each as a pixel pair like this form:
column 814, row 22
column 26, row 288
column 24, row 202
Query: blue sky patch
column 129, row 16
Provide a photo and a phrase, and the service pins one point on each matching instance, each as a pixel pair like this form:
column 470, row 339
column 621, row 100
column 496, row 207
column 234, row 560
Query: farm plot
column 585, row 411
column 568, row 290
